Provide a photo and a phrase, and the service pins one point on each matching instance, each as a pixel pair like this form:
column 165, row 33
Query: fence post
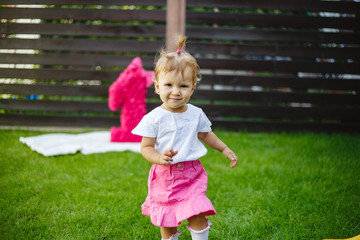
column 175, row 22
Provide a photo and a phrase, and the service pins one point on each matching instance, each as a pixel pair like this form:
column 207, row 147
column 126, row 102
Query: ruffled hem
column 171, row 216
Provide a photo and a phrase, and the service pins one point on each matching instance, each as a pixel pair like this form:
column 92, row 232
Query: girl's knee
column 198, row 222
column 169, row 233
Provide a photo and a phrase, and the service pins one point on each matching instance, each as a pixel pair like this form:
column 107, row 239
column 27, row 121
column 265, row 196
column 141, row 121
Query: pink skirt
column 176, row 192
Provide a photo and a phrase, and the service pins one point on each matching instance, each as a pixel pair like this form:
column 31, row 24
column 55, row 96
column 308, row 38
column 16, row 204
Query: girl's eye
column 184, row 86
column 168, row 84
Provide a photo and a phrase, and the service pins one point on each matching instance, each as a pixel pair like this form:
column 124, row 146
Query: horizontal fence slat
column 262, row 97
column 93, row 45
column 73, row 60
column 272, row 97
column 55, row 105
column 84, row 14
column 89, row 2
column 271, row 20
column 56, row 74
column 333, row 113
column 107, row 122
column 57, row 120
column 54, row 90
column 280, row 66
column 274, row 50
column 282, row 81
column 297, row 5
column 214, row 79
column 111, row 30
column 148, row 61
column 271, row 35
column 337, row 113
column 192, row 17
column 99, row 45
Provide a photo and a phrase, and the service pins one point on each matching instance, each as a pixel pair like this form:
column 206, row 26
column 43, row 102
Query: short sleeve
column 145, row 128
column 204, row 123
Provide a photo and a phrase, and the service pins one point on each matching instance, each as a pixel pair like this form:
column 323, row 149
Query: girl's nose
column 176, row 90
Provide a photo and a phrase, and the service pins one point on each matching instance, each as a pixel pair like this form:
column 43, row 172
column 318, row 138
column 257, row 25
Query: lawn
column 286, row 186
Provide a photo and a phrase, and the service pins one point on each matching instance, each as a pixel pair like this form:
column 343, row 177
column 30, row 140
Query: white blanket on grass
column 87, row 143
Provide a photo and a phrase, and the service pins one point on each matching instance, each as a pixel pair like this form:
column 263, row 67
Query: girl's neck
column 182, row 109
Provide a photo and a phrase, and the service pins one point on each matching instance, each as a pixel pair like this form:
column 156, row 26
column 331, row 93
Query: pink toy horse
column 129, row 92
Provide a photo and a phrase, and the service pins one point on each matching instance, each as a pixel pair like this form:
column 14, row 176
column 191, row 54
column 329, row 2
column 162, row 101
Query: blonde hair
column 177, row 62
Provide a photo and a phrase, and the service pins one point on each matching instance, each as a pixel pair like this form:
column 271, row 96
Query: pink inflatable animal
column 129, row 92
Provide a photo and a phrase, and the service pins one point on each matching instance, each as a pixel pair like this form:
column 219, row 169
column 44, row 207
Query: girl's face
column 174, row 90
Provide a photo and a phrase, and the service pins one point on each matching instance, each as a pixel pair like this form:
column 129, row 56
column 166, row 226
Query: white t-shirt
column 178, row 131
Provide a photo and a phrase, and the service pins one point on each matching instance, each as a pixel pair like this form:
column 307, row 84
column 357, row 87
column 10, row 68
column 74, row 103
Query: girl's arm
column 152, row 155
column 210, row 139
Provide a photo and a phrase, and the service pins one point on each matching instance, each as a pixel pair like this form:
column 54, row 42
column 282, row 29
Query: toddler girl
column 171, row 134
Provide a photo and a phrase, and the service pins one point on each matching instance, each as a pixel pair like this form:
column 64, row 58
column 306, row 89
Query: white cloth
column 178, row 131
column 87, row 143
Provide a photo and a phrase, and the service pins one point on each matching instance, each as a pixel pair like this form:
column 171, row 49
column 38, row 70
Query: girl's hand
column 230, row 155
column 166, row 157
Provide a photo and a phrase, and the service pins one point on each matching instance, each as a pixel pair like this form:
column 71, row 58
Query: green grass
column 286, row 186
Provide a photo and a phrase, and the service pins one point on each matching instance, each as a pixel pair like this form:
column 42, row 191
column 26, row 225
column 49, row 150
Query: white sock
column 200, row 234
column 174, row 236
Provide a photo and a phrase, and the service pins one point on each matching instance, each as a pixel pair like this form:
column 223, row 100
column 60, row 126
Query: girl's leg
column 168, row 232
column 198, row 222
column 199, row 227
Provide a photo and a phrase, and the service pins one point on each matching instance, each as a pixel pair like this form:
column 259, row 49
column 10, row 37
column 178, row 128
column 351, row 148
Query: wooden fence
column 267, row 65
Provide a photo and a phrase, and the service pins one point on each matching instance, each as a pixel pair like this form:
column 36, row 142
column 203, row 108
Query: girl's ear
column 193, row 86
column 156, row 87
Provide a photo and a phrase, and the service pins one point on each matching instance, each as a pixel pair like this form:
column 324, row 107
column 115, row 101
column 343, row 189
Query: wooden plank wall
column 266, row 65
